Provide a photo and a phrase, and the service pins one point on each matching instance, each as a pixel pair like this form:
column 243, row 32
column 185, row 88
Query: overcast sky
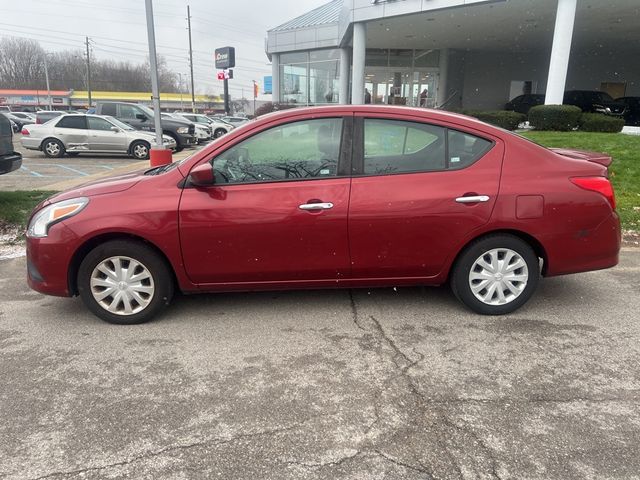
column 117, row 30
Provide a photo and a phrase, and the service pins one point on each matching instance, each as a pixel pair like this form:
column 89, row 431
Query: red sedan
column 340, row 196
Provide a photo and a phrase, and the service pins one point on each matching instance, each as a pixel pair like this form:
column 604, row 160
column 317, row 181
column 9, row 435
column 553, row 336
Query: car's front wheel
column 53, row 148
column 496, row 274
column 125, row 282
column 219, row 132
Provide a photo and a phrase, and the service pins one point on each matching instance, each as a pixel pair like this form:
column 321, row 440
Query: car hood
column 118, row 183
column 595, row 157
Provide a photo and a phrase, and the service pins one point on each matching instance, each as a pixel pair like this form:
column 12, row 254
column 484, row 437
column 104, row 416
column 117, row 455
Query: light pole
column 46, row 77
column 158, row 155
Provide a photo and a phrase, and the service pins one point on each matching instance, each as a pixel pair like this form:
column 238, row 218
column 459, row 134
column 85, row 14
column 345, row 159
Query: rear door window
column 465, row 149
column 72, row 121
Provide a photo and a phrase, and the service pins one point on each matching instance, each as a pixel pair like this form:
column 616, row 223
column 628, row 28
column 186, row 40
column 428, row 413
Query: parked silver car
column 75, row 134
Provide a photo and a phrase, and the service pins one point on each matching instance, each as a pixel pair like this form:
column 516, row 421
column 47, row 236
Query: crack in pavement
column 403, row 363
column 168, row 449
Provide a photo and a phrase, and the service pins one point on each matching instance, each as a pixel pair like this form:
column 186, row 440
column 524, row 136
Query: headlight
column 54, row 213
column 183, row 130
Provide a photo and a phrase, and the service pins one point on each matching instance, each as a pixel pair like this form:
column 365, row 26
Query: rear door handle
column 316, row 206
column 473, row 199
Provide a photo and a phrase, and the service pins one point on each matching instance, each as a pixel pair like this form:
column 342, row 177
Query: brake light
column 25, row 131
column 601, row 185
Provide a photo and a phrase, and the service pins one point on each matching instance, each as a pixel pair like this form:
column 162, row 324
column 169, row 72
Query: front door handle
column 316, row 206
column 473, row 199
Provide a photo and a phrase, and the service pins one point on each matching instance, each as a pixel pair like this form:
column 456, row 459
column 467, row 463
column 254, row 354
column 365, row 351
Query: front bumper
column 10, row 162
column 48, row 261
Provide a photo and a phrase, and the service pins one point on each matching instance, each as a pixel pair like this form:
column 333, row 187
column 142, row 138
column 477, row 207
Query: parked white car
column 79, row 133
column 217, row 126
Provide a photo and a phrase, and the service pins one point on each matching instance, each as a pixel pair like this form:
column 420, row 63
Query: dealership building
column 474, row 54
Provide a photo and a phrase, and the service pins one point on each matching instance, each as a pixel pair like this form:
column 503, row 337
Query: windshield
column 146, row 110
column 118, row 123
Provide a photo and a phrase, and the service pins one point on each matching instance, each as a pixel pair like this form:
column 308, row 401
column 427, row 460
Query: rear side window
column 464, row 149
column 109, row 109
column 392, row 146
column 72, row 121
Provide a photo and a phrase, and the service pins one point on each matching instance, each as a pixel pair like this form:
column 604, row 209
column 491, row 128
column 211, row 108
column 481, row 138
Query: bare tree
column 21, row 63
column 22, row 67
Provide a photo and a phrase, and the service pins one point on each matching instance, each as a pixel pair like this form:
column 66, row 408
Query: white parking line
column 79, row 172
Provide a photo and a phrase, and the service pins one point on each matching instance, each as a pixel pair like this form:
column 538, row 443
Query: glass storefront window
column 310, row 78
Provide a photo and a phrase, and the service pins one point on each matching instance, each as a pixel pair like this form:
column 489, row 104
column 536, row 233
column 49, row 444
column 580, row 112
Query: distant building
column 476, row 54
column 70, row 99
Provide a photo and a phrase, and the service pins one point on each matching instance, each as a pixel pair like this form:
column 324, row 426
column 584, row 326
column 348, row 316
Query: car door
column 278, row 209
column 103, row 137
column 422, row 189
column 72, row 131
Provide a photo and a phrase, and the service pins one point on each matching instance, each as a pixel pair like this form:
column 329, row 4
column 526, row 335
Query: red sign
column 220, row 75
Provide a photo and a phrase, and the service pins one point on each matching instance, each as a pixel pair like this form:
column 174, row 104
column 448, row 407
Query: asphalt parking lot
column 41, row 173
column 362, row 384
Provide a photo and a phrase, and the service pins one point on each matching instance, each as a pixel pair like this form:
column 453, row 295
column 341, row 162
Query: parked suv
column 594, row 102
column 9, row 160
column 140, row 117
column 632, row 113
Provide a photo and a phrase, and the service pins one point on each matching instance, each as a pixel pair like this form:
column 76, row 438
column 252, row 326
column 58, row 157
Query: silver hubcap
column 140, row 151
column 122, row 285
column 498, row 276
column 52, row 148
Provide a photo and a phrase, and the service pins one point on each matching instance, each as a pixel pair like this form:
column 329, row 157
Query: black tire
column 140, row 150
column 219, row 132
column 179, row 146
column 53, row 148
column 486, row 247
column 159, row 280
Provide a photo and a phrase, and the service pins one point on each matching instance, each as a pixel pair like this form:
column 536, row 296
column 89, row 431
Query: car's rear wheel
column 125, row 282
column 496, row 274
column 140, row 150
column 219, row 132
column 53, row 148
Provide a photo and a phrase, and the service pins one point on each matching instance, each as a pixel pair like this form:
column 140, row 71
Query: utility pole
column 46, row 77
column 193, row 95
column 158, row 154
column 88, row 70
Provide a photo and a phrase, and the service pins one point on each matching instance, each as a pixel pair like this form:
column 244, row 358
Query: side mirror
column 202, row 175
column 141, row 116
column 114, row 129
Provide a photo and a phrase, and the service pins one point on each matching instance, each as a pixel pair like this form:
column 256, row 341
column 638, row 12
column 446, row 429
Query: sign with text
column 225, row 57
column 268, row 84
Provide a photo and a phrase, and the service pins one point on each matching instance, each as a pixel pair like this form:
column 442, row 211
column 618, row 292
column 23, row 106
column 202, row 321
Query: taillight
column 24, row 131
column 601, row 185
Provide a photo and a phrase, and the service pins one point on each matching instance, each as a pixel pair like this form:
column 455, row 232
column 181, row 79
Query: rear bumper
column 31, row 143
column 10, row 162
column 585, row 250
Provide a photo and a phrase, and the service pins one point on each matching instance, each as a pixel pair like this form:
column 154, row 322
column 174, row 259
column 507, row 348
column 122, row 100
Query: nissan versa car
column 335, row 196
column 79, row 133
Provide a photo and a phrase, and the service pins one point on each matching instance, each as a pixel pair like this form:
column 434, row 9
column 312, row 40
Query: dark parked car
column 43, row 116
column 632, row 113
column 140, row 117
column 523, row 103
column 20, row 118
column 9, row 159
column 593, row 101
column 337, row 196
